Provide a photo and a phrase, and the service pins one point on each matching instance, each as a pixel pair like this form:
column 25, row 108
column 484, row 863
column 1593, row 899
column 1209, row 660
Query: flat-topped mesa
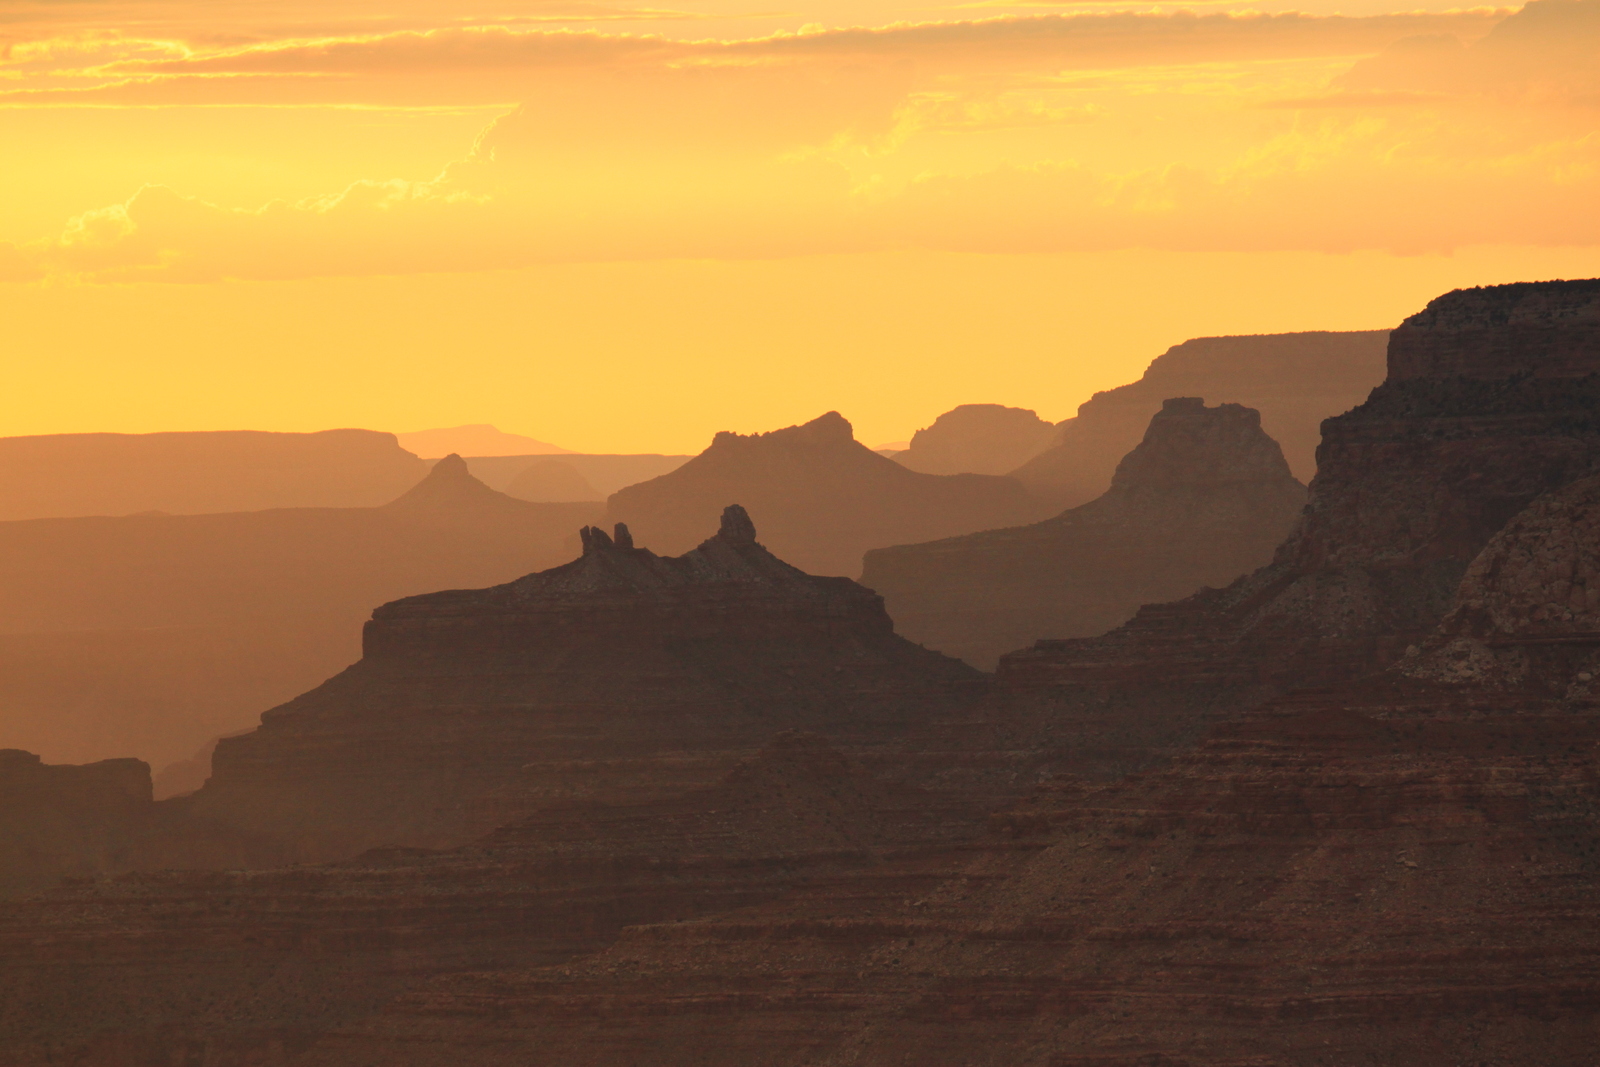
column 1205, row 497
column 471, row 706
column 1540, row 329
column 1492, row 403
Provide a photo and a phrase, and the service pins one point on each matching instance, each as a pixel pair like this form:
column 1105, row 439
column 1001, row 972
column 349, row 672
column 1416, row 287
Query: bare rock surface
column 471, row 705
column 1411, row 487
column 1294, row 379
column 1204, row 498
column 824, row 498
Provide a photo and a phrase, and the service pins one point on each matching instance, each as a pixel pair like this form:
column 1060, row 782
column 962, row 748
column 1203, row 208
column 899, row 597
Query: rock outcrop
column 149, row 635
column 622, row 672
column 59, row 821
column 977, row 439
column 824, row 499
column 258, row 966
column 1205, row 498
column 1410, row 487
column 63, row 475
column 1294, row 379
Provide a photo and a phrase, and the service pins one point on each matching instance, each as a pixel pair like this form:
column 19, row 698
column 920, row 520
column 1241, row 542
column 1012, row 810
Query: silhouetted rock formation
column 470, row 704
column 824, row 499
column 978, row 439
column 251, row 964
column 552, row 480
column 1205, row 498
column 63, row 475
column 150, row 635
column 1410, row 488
column 1294, row 379
column 67, row 821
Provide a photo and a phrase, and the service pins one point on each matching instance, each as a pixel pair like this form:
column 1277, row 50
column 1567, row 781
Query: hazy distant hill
column 604, row 473
column 146, row 635
column 977, row 439
column 478, row 439
column 1294, row 379
column 1204, row 498
column 823, row 497
column 61, row 475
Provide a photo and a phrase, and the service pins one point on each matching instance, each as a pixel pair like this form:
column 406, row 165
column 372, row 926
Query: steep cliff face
column 978, row 439
column 1294, row 379
column 1411, row 486
column 61, row 821
column 1204, row 498
column 471, row 705
column 824, row 498
column 151, row 634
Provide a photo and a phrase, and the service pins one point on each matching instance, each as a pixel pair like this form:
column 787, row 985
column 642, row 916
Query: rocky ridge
column 823, row 497
column 621, row 673
column 1204, row 498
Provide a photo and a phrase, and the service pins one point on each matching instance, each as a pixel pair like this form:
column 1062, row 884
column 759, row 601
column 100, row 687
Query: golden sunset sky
column 623, row 228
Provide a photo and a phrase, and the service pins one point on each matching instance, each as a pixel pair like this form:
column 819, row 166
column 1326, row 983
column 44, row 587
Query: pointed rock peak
column 623, row 536
column 449, row 484
column 736, row 526
column 594, row 540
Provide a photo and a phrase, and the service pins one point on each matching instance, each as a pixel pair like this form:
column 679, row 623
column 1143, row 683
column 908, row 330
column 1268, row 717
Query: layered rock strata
column 621, row 672
column 1410, row 487
column 1205, row 498
column 253, row 967
column 1392, row 869
column 823, row 497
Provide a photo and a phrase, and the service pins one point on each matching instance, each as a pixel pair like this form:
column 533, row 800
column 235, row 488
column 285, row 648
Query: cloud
column 1548, row 52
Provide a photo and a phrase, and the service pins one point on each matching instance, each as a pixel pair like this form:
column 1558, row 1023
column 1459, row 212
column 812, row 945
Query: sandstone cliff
column 469, row 705
column 824, row 499
column 1295, row 380
column 1204, row 498
column 61, row 475
column 66, row 821
column 977, row 439
column 1410, row 487
column 149, row 635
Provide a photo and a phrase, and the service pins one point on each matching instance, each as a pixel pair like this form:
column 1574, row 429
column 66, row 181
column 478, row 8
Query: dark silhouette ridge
column 64, row 475
column 977, row 439
column 1205, row 498
column 824, row 498
column 1294, row 379
column 1411, row 486
column 470, row 705
column 154, row 634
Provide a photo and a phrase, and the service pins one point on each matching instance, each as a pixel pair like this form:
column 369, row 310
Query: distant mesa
column 824, row 498
column 1205, row 498
column 149, row 635
column 471, row 705
column 978, row 439
column 1295, row 380
column 552, row 480
column 478, row 439
column 66, row 475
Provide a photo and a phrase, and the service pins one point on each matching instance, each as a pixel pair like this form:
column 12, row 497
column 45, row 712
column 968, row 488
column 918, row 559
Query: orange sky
column 623, row 227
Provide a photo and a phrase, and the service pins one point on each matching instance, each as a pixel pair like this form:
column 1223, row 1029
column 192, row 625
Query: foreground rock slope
column 1205, row 498
column 823, row 497
column 468, row 706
